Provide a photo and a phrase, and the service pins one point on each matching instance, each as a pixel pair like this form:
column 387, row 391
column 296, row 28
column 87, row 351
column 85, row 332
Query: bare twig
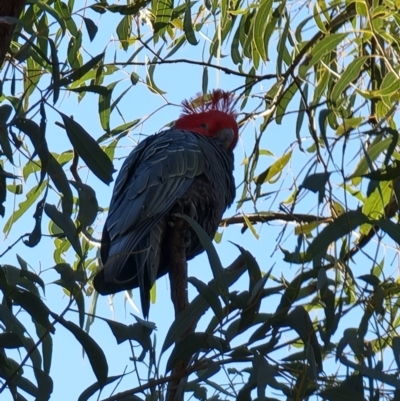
column 199, row 63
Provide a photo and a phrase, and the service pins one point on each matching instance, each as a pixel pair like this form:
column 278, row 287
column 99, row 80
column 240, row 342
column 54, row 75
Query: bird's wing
column 157, row 173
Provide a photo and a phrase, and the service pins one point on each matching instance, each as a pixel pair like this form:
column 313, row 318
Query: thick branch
column 8, row 9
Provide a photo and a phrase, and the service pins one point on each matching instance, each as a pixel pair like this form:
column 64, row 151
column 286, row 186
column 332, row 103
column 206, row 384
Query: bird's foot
column 186, row 207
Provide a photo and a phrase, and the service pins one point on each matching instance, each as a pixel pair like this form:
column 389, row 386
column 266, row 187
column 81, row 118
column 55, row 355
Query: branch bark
column 8, row 9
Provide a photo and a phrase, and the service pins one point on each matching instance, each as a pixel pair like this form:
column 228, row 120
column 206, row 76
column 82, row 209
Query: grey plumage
column 175, row 171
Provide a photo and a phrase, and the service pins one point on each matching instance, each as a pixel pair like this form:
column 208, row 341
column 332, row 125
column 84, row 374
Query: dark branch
column 272, row 216
column 202, row 64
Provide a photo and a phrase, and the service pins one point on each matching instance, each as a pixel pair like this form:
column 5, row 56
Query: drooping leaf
column 192, row 343
column 274, row 170
column 36, row 135
column 55, row 71
column 260, row 24
column 66, row 225
column 326, row 45
column 31, row 197
column 124, row 30
column 209, row 295
column 5, row 142
column 105, row 107
column 36, row 235
column 88, row 205
column 88, row 149
column 188, row 26
column 81, row 71
column 197, row 308
column 316, row 183
column 94, row 352
column 215, row 262
column 351, row 72
column 341, row 226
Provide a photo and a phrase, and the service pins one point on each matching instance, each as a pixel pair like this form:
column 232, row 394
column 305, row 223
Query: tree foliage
column 324, row 73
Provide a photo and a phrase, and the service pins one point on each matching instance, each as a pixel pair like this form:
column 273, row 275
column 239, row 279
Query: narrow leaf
column 66, row 225
column 89, row 150
column 94, row 352
column 216, row 266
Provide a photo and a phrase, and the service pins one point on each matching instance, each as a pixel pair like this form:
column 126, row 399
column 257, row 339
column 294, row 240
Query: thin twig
column 199, row 63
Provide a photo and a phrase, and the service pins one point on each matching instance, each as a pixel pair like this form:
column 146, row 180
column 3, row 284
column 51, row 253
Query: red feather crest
column 216, row 100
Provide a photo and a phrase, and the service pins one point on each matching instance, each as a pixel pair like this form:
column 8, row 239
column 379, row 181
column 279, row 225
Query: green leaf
column 326, row 45
column 341, row 226
column 88, row 149
column 375, row 204
column 124, row 30
column 55, row 71
column 197, row 308
column 373, row 152
column 47, row 347
column 150, row 79
column 66, row 225
column 53, row 12
column 162, row 9
column 74, row 51
column 300, row 116
column 250, row 226
column 105, row 107
column 33, row 305
column 193, row 343
column 390, row 228
column 285, row 100
column 275, row 169
column 134, row 78
column 188, row 25
column 5, row 142
column 36, row 235
column 352, row 71
column 81, row 71
column 31, row 197
column 101, row 90
column 299, row 320
column 396, row 350
column 130, row 9
column 94, row 352
column 216, row 266
column 282, row 46
column 3, row 191
column 60, row 180
column 37, row 136
column 92, row 389
column 260, row 24
column 88, row 205
column 209, row 295
column 316, row 183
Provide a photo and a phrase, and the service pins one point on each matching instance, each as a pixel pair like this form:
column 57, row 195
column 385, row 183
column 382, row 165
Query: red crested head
column 212, row 115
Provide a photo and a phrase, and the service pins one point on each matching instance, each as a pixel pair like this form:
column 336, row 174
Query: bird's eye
column 205, row 126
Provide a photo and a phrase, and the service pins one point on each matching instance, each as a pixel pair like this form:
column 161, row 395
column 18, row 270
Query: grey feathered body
column 175, row 171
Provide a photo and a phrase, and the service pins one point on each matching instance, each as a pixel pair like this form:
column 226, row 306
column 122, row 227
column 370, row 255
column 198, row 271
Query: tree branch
column 265, row 217
column 8, row 9
column 200, row 63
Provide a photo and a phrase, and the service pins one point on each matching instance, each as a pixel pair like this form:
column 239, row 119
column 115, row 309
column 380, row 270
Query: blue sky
column 70, row 371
